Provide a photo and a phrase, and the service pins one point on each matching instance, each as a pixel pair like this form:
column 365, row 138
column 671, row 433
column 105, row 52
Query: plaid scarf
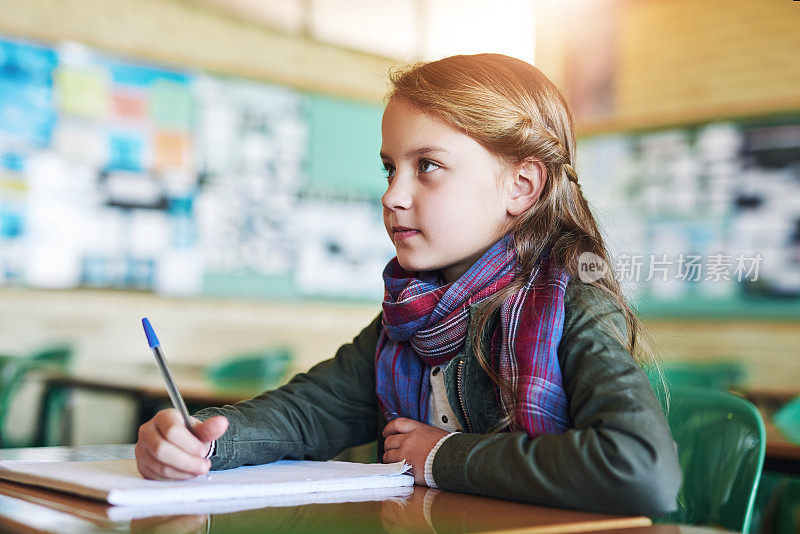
column 425, row 324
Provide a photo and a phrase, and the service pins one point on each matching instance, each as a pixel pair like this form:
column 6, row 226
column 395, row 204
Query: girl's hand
column 166, row 450
column 410, row 440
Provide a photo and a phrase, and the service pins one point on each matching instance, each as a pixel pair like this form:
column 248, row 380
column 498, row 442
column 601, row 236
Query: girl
column 493, row 368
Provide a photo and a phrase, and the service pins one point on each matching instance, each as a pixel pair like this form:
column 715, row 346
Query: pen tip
column 152, row 340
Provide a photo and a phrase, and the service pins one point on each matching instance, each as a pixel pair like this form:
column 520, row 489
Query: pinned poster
column 125, row 73
column 148, row 233
column 133, row 190
column 354, row 250
column 82, row 91
column 171, row 104
column 27, row 114
column 129, row 104
column 81, row 141
column 12, row 161
column 125, row 152
column 12, row 221
column 172, row 150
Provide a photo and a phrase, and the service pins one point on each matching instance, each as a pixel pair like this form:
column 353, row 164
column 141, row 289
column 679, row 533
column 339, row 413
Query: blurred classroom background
column 213, row 165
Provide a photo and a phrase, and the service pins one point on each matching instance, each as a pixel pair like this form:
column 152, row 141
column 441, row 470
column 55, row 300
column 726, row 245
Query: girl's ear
column 526, row 184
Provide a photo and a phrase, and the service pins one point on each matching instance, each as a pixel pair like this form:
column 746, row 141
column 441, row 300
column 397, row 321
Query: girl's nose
column 396, row 197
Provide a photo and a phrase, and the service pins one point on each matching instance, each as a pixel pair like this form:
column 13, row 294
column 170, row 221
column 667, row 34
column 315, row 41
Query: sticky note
column 82, row 92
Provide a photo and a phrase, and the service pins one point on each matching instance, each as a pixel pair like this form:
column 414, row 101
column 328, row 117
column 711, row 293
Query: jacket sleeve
column 619, row 457
column 315, row 416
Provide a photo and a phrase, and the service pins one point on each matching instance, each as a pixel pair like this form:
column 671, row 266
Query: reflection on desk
column 23, row 509
column 668, row 529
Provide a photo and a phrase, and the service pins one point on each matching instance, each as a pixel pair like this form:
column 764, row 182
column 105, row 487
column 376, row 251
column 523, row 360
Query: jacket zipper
column 461, row 398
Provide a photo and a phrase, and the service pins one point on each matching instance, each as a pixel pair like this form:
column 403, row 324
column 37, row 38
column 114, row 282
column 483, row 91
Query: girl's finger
column 145, row 462
column 170, row 455
column 158, row 470
column 401, row 425
column 144, row 470
column 151, row 447
column 175, row 432
column 393, row 442
column 162, row 471
column 210, row 429
column 141, row 461
column 392, row 456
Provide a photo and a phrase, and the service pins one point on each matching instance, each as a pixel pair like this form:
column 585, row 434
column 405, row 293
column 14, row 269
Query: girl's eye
column 388, row 168
column 426, row 165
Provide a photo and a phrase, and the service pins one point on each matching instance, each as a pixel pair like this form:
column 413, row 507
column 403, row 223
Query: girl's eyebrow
column 422, row 151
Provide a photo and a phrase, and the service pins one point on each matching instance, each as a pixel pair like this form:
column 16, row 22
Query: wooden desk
column 27, row 509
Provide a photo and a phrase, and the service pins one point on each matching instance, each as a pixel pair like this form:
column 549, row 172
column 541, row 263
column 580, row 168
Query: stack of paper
column 118, row 481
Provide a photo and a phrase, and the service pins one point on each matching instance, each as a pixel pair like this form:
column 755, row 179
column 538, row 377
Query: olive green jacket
column 618, row 456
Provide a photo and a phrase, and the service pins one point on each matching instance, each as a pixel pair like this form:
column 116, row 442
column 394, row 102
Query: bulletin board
column 704, row 219
column 116, row 173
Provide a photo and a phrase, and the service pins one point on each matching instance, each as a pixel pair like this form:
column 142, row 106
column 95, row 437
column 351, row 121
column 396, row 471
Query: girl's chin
column 407, row 264
column 415, row 267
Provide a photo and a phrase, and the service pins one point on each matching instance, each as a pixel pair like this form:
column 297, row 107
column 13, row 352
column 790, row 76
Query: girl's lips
column 399, row 235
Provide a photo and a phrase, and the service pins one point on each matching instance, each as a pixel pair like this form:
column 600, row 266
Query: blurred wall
column 767, row 349
column 195, row 35
column 689, row 60
column 674, row 61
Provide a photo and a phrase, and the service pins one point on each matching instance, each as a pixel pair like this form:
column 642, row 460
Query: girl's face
column 444, row 205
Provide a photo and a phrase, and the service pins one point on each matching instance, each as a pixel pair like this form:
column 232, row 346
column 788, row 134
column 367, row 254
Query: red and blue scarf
column 425, row 324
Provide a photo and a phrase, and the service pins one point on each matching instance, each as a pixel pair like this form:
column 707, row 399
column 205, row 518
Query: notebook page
column 118, row 481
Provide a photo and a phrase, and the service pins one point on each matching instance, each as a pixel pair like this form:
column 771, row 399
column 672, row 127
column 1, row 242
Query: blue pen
column 172, row 389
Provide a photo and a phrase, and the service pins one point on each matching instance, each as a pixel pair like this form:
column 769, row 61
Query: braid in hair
column 572, row 176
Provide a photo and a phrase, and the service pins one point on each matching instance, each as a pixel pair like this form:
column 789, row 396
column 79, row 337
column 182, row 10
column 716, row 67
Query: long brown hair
column 516, row 112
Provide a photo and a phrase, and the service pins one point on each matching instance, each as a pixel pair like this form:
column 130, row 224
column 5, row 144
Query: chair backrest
column 12, row 374
column 256, row 370
column 14, row 371
column 57, row 356
column 720, row 374
column 721, row 443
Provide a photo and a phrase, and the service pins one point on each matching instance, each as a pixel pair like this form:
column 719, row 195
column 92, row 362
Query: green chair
column 787, row 420
column 53, row 420
column 13, row 372
column 716, row 374
column 260, row 370
column 58, row 356
column 777, row 507
column 12, row 375
column 721, row 443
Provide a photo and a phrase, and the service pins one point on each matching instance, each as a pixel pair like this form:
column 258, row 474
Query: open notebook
column 118, row 482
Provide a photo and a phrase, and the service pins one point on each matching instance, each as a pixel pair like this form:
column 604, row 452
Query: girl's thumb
column 211, row 429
